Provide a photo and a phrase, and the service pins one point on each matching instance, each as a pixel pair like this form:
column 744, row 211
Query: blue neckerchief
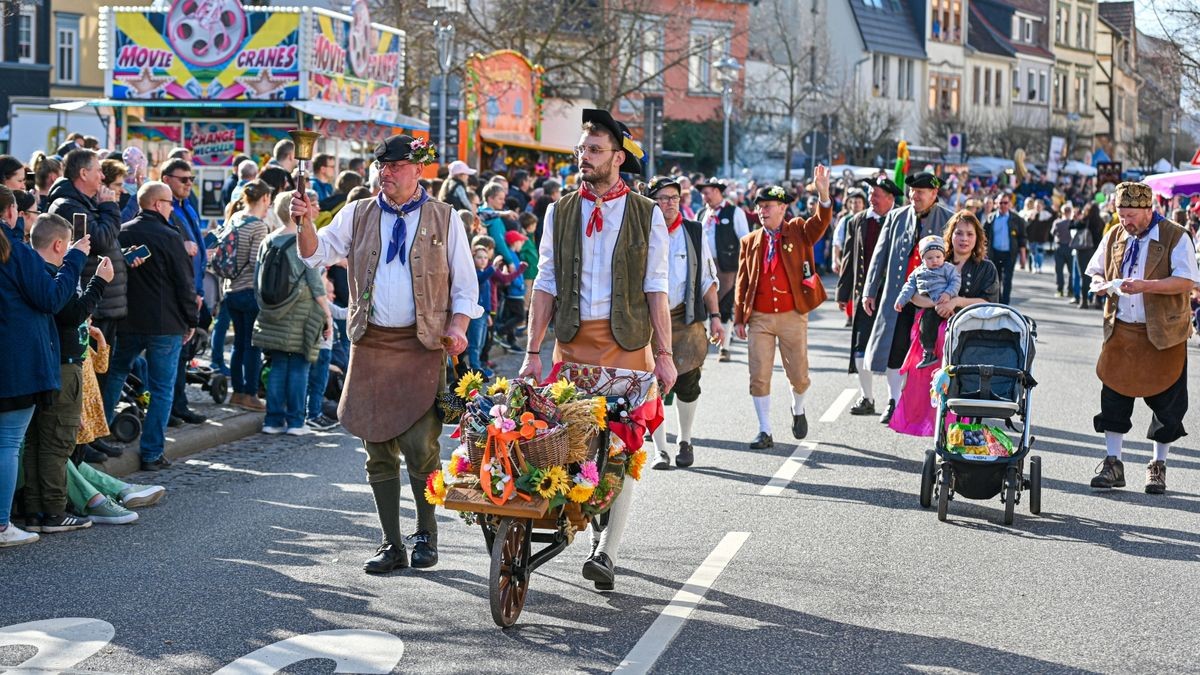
column 399, row 238
column 772, row 247
column 1131, row 252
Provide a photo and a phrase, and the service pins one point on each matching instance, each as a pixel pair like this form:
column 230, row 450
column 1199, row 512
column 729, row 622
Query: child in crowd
column 529, row 252
column 937, row 282
column 318, row 374
column 513, row 313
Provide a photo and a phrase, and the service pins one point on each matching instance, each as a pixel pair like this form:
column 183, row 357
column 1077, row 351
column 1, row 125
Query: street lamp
column 443, row 38
column 727, row 70
column 1174, row 134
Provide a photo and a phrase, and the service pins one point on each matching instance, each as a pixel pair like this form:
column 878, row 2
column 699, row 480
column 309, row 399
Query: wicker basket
column 546, row 450
column 475, row 445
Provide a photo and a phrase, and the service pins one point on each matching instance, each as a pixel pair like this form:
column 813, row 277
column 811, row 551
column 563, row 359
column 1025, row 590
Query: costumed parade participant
column 724, row 226
column 777, row 286
column 862, row 234
column 1147, row 269
column 895, row 257
column 692, row 296
column 412, row 292
column 603, row 277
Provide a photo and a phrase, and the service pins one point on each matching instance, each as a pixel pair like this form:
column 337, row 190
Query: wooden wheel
column 509, row 578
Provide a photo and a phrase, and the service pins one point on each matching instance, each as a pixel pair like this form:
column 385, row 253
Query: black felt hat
column 659, row 182
column 923, row 179
column 774, row 193
column 633, row 151
column 712, row 183
column 882, row 182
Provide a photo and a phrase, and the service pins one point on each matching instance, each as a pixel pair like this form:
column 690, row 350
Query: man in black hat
column 412, row 292
column 603, row 276
column 692, row 296
column 862, row 234
column 895, row 257
column 724, row 226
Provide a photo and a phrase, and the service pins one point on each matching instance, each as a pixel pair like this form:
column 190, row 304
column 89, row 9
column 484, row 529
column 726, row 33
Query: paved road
column 261, row 543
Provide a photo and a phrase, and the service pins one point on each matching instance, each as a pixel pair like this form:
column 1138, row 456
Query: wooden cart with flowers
column 537, row 464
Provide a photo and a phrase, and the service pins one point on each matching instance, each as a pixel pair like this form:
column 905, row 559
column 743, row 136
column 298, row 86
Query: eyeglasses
column 581, row 150
column 168, row 201
column 186, row 180
column 667, row 200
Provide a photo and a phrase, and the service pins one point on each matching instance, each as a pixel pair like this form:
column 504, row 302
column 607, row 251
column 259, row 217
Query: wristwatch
column 714, row 315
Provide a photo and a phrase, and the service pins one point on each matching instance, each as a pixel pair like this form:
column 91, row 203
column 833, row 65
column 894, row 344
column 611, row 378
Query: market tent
column 341, row 113
column 859, row 172
column 1162, row 166
column 989, row 166
column 518, row 140
column 1175, row 183
column 1077, row 168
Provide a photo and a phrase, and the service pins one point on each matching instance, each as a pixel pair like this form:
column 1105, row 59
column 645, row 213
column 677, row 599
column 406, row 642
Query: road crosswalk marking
column 783, row 476
column 839, row 404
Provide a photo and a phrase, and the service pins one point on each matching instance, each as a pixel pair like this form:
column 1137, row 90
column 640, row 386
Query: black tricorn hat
column 633, row 151
column 884, row 183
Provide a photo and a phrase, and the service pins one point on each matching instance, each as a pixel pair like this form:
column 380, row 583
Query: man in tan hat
column 412, row 291
column 603, row 276
column 1146, row 268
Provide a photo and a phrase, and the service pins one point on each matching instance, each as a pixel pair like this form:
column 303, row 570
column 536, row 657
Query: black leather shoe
column 110, row 450
column 799, row 426
column 662, row 461
column 599, row 570
column 887, row 414
column 191, row 417
column 685, row 456
column 387, row 557
column 424, row 552
column 865, row 406
column 175, row 422
column 157, row 465
column 93, row 456
column 762, row 441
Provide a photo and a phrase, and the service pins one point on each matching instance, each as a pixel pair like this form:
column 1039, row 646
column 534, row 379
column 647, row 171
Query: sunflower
column 500, row 386
column 435, row 488
column 553, row 481
column 580, row 493
column 468, row 384
column 600, row 411
column 636, row 462
column 563, row 391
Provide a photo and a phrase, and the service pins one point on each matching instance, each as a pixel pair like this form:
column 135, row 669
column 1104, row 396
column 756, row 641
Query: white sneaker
column 299, row 431
column 15, row 536
column 136, row 496
column 274, row 431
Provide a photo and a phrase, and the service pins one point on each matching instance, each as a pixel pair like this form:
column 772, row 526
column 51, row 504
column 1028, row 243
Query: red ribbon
column 596, row 221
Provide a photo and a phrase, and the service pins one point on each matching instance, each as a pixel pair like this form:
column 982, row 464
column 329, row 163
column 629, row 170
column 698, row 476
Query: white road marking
column 783, row 476
column 352, row 651
column 668, row 624
column 839, row 404
column 61, row 643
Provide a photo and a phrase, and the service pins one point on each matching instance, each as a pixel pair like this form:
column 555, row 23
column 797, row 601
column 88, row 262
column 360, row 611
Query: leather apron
column 1132, row 366
column 392, row 381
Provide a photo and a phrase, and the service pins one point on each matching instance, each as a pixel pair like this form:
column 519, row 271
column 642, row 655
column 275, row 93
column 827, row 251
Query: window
column 650, row 61
column 987, row 86
column 947, row 20
column 1042, row 87
column 26, row 35
column 976, row 86
column 66, row 48
column 1027, row 30
column 1031, row 80
column 709, row 43
column 904, row 80
column 880, row 65
column 1083, row 100
column 1062, row 27
column 1082, row 36
column 1060, row 90
column 999, row 88
column 944, row 93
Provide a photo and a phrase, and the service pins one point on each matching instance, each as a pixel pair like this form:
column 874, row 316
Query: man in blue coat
column 178, row 175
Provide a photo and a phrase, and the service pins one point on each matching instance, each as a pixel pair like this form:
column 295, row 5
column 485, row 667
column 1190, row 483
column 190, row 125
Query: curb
column 189, row 440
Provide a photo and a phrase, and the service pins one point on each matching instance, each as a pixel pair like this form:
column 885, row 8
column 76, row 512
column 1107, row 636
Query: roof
column 983, row 37
column 889, row 28
column 1119, row 15
column 1032, row 7
column 997, row 14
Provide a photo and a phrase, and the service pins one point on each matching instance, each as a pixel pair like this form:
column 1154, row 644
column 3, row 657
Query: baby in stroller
column 936, row 281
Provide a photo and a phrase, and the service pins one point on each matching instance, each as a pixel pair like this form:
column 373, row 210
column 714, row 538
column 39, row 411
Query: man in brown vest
column 412, row 292
column 1147, row 269
column 603, row 277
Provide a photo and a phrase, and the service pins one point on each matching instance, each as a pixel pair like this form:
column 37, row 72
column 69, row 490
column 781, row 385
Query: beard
column 596, row 174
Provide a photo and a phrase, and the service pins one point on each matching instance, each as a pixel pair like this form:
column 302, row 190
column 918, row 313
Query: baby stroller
column 212, row 381
column 988, row 363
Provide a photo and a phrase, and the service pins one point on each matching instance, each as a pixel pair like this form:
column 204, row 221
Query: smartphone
column 136, row 253
column 30, row 180
column 79, row 223
column 211, row 240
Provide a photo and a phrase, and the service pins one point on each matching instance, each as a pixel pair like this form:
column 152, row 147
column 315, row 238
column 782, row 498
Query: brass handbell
column 304, row 140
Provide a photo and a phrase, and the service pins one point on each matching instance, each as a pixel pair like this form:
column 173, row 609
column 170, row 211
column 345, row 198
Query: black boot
column 424, row 550
column 424, row 542
column 388, row 557
column 391, row 554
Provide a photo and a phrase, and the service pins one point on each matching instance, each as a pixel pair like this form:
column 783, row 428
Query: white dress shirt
column 595, row 282
column 709, row 221
column 1132, row 308
column 679, row 267
column 392, row 304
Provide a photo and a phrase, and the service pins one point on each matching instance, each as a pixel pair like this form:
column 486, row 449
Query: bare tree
column 1178, row 24
column 867, row 129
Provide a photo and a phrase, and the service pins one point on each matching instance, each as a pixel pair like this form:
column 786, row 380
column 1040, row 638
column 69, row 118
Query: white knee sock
column 1112, row 442
column 895, row 383
column 687, row 414
column 866, row 385
column 1160, row 451
column 660, row 439
column 618, row 515
column 762, row 407
column 797, row 403
column 728, row 334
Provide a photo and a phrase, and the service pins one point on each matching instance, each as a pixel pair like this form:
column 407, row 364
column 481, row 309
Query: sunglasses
column 186, row 180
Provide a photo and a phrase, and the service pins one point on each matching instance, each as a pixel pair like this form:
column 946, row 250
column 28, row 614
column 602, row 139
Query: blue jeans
column 162, row 366
column 341, row 345
column 287, row 385
column 318, row 378
column 246, row 361
column 12, row 434
column 217, row 339
column 476, row 330
column 1037, row 252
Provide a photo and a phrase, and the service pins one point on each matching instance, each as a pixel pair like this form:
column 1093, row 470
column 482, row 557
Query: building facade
column 74, row 63
column 25, row 48
column 991, row 62
column 1073, row 90
column 1116, row 80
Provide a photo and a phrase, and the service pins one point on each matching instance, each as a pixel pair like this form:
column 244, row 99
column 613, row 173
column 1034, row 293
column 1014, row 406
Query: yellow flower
column 562, row 391
column 435, row 489
column 500, row 386
column 554, row 481
column 636, row 462
column 580, row 493
column 600, row 411
column 470, row 382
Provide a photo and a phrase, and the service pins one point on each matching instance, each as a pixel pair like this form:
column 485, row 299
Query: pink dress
column 914, row 415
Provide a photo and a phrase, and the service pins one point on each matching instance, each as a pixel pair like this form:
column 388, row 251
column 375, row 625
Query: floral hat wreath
column 406, row 148
column 774, row 193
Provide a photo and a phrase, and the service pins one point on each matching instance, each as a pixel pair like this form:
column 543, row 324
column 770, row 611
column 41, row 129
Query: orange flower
column 530, row 426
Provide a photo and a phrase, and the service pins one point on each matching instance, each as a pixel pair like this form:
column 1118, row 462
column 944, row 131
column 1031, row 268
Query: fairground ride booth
column 504, row 105
column 221, row 80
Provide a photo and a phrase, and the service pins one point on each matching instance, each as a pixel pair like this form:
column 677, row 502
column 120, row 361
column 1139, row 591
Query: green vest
column 630, row 313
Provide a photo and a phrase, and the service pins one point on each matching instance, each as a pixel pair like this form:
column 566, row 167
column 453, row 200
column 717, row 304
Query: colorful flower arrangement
column 421, row 152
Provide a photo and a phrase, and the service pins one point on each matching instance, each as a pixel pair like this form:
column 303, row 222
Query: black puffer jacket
column 104, row 224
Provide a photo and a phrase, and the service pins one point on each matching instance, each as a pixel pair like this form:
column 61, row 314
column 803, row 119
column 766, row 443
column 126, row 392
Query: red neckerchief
column 675, row 225
column 596, row 222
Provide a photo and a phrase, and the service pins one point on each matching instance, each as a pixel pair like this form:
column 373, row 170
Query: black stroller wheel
column 1035, row 485
column 946, row 477
column 127, row 426
column 218, row 388
column 928, row 475
column 1010, row 494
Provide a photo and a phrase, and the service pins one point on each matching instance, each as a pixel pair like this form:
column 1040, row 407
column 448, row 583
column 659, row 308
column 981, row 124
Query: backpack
column 223, row 261
column 275, row 280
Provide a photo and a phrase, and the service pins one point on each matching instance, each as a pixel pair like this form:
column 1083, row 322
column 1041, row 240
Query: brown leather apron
column 595, row 345
column 391, row 383
column 1131, row 365
column 689, row 343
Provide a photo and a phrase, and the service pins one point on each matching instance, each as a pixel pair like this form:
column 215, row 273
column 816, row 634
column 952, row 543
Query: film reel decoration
column 206, row 33
column 361, row 39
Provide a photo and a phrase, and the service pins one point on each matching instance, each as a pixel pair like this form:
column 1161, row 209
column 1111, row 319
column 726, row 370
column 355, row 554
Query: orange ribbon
column 501, row 442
